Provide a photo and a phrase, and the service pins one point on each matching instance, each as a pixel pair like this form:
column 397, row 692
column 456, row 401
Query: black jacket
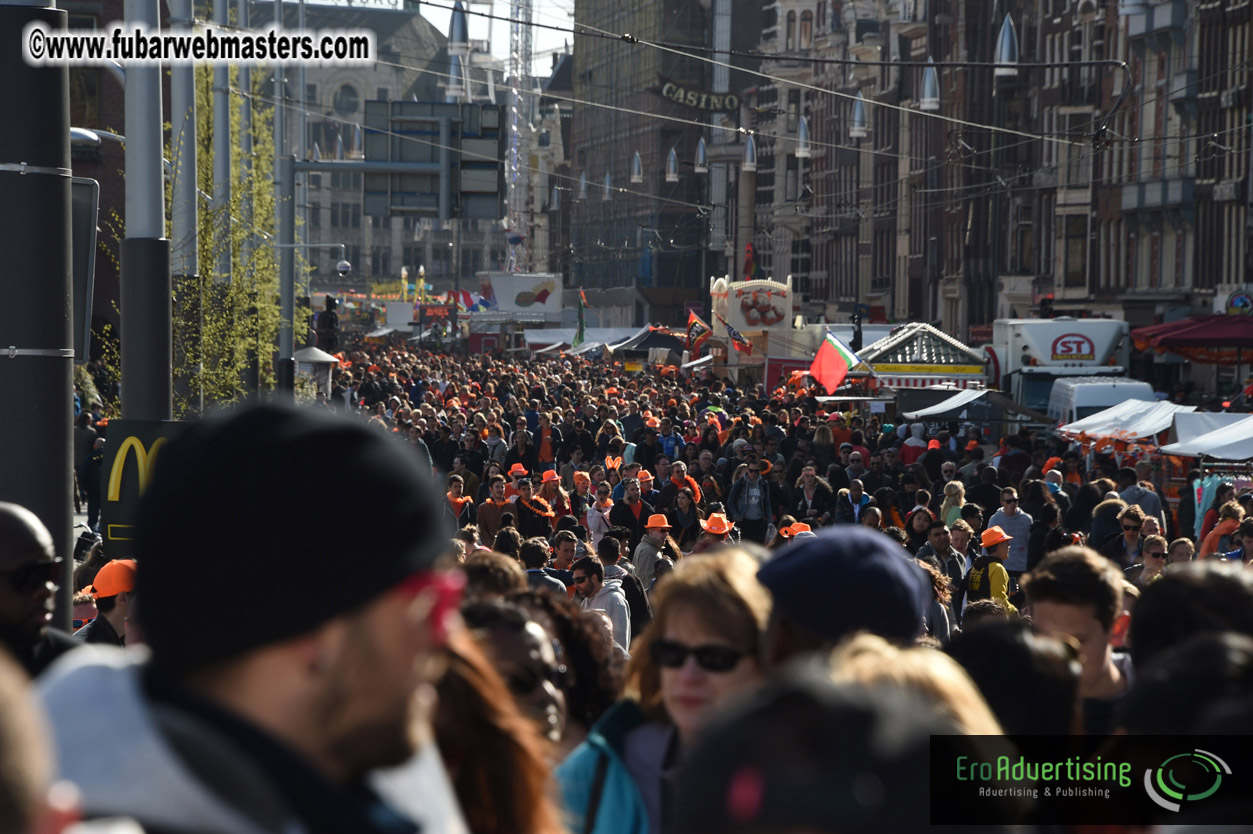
column 99, row 631
column 622, row 516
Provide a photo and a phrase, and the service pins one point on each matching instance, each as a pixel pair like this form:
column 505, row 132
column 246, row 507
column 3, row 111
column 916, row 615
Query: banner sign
column 130, row 455
column 523, row 292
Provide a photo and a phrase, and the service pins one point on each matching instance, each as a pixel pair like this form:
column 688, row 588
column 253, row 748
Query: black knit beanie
column 266, row 523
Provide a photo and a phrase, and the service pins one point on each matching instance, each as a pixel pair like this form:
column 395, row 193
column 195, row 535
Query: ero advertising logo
column 1191, row 776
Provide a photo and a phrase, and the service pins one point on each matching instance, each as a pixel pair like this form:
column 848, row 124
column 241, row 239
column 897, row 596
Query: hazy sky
column 545, row 41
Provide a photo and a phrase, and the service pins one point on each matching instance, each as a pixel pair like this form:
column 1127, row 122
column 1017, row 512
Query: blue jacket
column 735, row 500
column 620, row 809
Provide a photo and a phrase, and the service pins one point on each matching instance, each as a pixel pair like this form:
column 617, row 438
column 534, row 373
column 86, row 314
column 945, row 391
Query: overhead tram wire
column 951, row 163
column 686, row 51
column 988, row 187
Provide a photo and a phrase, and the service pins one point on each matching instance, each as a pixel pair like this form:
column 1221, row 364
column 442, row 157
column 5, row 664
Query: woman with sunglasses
column 700, row 650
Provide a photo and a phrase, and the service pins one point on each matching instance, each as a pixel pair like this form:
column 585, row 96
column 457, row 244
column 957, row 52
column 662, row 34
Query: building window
column 315, row 216
column 1075, row 229
column 822, row 16
column 807, row 29
column 789, row 40
column 384, row 94
column 311, row 93
column 347, row 100
column 793, row 108
column 334, row 215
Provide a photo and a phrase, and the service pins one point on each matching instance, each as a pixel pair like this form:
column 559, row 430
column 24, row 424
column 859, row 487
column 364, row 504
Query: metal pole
column 185, row 250
column 285, row 367
column 221, row 153
column 37, row 352
column 147, row 354
column 302, row 137
column 245, row 133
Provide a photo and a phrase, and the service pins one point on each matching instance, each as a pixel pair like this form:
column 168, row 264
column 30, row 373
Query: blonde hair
column 954, row 497
column 722, row 590
column 1231, row 509
column 933, row 677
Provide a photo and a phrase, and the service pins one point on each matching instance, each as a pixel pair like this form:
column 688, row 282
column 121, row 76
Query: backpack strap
column 598, row 788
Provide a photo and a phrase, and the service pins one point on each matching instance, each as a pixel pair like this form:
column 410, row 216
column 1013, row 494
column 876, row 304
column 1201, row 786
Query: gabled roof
column 919, row 343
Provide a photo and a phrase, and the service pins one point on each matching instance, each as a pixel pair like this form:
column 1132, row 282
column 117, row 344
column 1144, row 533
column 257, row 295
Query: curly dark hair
column 594, row 672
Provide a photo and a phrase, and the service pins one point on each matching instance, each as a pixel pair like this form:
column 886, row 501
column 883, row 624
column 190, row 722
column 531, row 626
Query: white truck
column 1027, row 356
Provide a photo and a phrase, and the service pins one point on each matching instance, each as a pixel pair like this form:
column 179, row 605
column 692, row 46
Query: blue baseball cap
column 845, row 579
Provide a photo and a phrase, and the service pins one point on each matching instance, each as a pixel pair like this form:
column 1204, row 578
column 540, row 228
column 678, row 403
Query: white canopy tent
column 1128, row 420
column 1233, row 441
column 1190, row 425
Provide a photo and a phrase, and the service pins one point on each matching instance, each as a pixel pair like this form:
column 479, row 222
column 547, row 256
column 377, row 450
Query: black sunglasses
column 1129, row 527
column 579, row 580
column 710, row 658
column 32, row 576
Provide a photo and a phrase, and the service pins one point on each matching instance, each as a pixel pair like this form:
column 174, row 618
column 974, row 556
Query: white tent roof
column 1188, row 426
column 544, row 336
column 1231, row 442
column 586, row 347
column 953, row 403
column 312, row 354
column 697, row 363
column 1129, row 419
column 1102, row 419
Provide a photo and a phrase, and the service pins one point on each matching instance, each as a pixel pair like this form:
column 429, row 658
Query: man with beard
column 290, row 659
column 29, row 575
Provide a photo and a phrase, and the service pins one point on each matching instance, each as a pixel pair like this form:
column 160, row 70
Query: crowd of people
column 546, row 596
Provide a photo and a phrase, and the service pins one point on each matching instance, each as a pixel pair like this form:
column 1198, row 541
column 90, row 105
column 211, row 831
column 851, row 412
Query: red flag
column 832, row 363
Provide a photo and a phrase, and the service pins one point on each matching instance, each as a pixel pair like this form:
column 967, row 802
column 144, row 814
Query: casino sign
column 697, row 99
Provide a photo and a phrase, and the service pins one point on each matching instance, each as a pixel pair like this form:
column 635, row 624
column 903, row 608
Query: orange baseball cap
column 114, row 578
column 657, row 521
column 994, row 536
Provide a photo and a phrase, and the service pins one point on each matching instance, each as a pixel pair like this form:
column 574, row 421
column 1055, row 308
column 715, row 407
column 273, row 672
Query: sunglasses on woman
column 711, row 658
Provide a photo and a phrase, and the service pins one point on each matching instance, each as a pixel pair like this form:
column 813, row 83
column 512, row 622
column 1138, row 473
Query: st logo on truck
column 1073, row 347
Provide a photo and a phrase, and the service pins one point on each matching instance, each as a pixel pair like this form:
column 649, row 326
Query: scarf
column 537, row 505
